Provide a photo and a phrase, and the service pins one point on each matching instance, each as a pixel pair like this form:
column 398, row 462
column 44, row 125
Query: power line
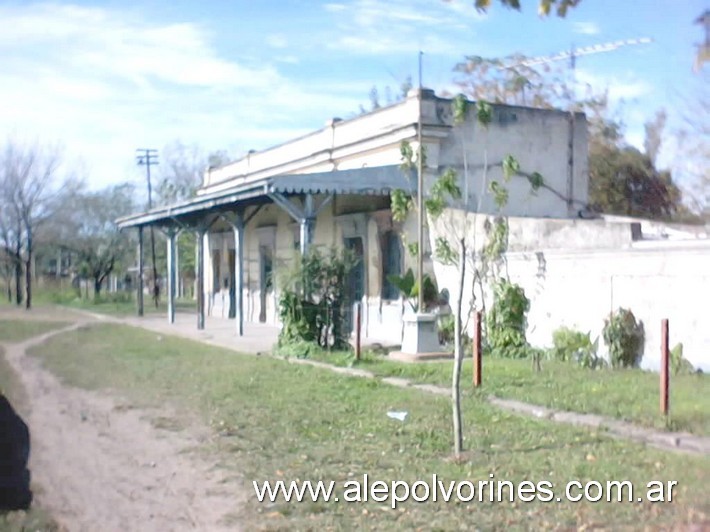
column 572, row 54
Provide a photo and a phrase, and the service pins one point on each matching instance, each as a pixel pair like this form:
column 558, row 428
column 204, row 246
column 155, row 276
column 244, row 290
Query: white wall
column 577, row 280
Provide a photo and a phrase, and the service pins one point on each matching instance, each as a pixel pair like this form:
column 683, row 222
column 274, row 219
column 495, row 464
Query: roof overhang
column 372, row 181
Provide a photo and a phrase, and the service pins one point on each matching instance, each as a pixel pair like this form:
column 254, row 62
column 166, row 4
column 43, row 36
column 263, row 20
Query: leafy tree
column 624, row 180
column 100, row 246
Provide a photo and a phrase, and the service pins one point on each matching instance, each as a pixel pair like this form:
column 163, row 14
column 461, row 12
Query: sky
column 101, row 79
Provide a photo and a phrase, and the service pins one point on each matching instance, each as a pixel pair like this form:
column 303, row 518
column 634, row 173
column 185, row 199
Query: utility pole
column 420, row 197
column 149, row 157
column 572, row 55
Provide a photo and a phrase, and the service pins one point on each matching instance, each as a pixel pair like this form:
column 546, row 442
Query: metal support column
column 171, row 235
column 238, row 228
column 139, row 276
column 200, row 274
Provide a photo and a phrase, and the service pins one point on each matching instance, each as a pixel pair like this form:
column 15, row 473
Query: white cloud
column 276, row 40
column 586, row 28
column 105, row 82
column 371, row 27
column 627, row 87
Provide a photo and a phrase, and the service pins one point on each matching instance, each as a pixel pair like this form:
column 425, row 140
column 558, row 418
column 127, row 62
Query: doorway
column 355, row 288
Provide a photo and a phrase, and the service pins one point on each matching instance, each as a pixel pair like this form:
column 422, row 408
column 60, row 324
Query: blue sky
column 105, row 78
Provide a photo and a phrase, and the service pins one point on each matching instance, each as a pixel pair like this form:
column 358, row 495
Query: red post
column 477, row 349
column 664, row 367
column 358, row 322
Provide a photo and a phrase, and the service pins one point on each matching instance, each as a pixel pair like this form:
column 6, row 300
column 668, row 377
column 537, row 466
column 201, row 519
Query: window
column 391, row 263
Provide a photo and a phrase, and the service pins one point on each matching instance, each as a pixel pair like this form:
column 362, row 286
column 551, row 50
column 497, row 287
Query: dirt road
column 99, row 463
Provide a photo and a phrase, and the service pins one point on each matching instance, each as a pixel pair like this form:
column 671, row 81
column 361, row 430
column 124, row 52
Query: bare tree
column 31, row 192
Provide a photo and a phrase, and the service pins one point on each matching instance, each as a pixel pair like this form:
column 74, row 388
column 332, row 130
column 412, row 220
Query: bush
column 312, row 300
column 576, row 346
column 624, row 337
column 507, row 320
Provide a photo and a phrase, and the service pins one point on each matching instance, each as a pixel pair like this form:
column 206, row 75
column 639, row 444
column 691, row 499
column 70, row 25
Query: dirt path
column 102, row 465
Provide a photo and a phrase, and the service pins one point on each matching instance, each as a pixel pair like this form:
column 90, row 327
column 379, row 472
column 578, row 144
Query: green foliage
column 312, row 299
column 444, row 252
column 507, row 320
column 536, row 181
column 500, row 194
column 576, row 346
column 413, row 249
column 460, row 105
column 624, row 337
column 408, row 287
column 511, row 167
column 497, row 243
column 625, row 181
column 407, row 155
column 445, row 189
column 544, row 6
column 400, row 203
column 484, row 113
column 679, row 364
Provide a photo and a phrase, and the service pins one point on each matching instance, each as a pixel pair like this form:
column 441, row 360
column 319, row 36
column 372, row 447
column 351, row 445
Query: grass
column 280, row 421
column 632, row 394
column 36, row 519
column 114, row 304
column 14, row 330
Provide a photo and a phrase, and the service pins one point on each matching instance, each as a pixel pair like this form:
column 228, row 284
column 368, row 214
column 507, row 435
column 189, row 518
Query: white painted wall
column 576, row 272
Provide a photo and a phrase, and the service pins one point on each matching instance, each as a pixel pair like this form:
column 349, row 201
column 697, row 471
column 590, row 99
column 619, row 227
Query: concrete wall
column 538, row 138
column 576, row 272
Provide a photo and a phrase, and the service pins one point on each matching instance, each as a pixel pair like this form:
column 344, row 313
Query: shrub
column 576, row 346
column 624, row 337
column 312, row 299
column 679, row 364
column 507, row 320
column 567, row 343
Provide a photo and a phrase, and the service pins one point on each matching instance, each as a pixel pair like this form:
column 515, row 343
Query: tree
column 182, row 169
column 545, row 7
column 97, row 241
column 623, row 180
column 32, row 191
column 654, row 135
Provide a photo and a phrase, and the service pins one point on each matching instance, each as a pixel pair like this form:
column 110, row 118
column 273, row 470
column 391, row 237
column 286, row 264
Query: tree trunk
column 18, row 277
column 28, row 273
column 458, row 353
column 97, row 286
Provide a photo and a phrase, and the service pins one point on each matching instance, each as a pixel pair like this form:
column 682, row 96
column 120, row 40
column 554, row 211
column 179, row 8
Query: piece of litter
column 401, row 416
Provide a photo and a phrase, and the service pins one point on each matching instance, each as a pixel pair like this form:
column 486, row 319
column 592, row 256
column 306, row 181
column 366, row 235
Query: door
column 265, row 279
column 356, row 280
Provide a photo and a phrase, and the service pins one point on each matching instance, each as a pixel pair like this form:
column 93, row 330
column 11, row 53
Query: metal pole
column 140, row 271
column 200, row 279
column 664, row 367
column 477, row 365
column 171, row 234
column 238, row 228
column 358, row 326
column 420, row 197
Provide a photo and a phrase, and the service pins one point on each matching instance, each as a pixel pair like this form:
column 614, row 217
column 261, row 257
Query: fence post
column 477, row 349
column 358, row 322
column 664, row 367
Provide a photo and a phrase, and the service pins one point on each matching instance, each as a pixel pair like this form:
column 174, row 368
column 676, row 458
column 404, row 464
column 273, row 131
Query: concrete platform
column 399, row 356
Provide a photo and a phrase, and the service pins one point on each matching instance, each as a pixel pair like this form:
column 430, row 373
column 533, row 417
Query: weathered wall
column 576, row 272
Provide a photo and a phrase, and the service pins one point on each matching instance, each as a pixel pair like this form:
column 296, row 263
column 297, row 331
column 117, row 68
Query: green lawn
column 14, row 330
column 632, row 395
column 113, row 304
column 282, row 421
